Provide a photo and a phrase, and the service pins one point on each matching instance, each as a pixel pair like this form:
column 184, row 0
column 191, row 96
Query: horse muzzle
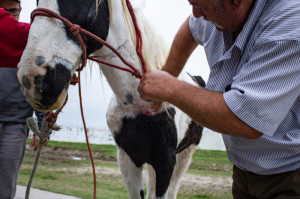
column 45, row 88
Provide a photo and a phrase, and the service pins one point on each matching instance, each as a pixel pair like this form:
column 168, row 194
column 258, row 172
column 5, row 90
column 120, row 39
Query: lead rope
column 87, row 137
column 76, row 30
column 47, row 125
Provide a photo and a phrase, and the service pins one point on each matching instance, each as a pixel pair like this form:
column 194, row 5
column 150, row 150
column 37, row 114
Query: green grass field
column 58, row 172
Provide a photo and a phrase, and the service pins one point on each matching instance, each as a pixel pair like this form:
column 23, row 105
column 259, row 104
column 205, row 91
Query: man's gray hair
column 217, row 3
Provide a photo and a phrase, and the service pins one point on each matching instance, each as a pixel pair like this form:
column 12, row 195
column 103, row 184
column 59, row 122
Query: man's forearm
column 209, row 109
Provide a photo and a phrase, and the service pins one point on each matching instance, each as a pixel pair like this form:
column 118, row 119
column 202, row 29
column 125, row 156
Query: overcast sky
column 166, row 16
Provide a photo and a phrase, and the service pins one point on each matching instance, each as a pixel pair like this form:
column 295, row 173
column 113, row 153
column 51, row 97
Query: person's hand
column 35, row 142
column 157, row 86
column 156, row 106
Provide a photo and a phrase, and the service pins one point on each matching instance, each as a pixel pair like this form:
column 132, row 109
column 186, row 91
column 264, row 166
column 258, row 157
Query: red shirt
column 13, row 39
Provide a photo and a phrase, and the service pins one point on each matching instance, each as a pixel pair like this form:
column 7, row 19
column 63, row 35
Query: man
column 252, row 95
column 14, row 110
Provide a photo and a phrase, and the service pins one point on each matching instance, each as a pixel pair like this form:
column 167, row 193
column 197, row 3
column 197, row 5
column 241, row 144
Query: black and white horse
column 52, row 56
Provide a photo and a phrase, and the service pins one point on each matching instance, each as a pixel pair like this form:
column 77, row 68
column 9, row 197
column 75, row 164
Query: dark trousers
column 247, row 185
column 12, row 146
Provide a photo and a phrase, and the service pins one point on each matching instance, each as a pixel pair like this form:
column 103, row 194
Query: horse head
column 53, row 53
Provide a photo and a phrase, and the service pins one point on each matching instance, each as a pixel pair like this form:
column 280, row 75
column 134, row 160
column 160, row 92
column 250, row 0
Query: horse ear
column 198, row 80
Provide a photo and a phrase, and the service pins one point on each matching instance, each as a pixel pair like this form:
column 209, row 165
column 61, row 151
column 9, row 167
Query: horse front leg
column 183, row 160
column 164, row 166
column 132, row 175
column 151, row 178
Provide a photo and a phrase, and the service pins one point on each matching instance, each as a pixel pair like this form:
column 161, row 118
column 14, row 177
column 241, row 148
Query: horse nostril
column 48, row 81
column 52, row 83
column 39, row 60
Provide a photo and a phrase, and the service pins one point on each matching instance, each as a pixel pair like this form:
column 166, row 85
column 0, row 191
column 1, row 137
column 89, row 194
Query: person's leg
column 279, row 186
column 240, row 189
column 12, row 146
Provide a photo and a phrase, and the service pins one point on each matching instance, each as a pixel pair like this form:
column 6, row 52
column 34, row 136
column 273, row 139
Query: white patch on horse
column 54, row 42
column 58, row 60
column 132, row 175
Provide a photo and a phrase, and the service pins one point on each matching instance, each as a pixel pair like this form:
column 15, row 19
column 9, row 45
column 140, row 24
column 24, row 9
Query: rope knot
column 74, row 80
column 75, row 29
column 51, row 119
column 137, row 74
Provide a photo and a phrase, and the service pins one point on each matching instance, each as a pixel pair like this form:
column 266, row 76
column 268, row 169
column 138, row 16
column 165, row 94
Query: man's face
column 221, row 16
column 12, row 6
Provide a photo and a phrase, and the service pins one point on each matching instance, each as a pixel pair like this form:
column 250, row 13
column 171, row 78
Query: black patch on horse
column 142, row 194
column 129, row 99
column 152, row 140
column 39, row 60
column 51, row 84
column 84, row 14
column 193, row 135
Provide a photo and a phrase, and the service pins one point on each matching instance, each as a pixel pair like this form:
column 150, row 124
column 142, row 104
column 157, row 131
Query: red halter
column 76, row 30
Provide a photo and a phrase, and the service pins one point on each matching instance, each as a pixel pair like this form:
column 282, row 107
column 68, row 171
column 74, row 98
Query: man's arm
column 205, row 107
column 13, row 40
column 181, row 49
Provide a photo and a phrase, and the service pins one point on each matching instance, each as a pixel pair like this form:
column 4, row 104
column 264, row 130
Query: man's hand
column 157, row 86
column 35, row 142
column 156, row 106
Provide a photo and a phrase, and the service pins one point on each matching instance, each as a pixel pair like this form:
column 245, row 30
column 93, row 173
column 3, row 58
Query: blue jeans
column 12, row 147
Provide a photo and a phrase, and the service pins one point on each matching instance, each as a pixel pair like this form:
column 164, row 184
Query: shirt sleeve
column 267, row 85
column 13, row 40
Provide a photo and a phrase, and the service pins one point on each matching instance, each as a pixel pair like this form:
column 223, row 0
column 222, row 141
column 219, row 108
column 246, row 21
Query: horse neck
column 123, row 84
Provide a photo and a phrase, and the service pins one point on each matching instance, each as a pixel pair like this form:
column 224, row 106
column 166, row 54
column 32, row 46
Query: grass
column 61, row 174
column 211, row 162
column 108, row 149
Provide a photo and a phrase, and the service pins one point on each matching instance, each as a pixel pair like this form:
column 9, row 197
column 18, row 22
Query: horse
column 52, row 56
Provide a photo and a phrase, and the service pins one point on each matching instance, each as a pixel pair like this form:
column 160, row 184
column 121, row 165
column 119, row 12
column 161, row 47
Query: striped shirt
column 261, row 73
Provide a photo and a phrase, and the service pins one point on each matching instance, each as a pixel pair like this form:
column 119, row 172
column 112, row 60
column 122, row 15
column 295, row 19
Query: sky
column 166, row 16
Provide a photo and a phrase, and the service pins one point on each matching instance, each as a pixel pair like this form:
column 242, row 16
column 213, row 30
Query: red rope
column 52, row 117
column 87, row 137
column 139, row 40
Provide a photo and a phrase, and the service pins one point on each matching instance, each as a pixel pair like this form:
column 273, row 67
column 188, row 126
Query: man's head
column 225, row 14
column 12, row 6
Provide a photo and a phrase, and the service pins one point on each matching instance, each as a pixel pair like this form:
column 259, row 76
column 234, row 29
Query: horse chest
column 145, row 138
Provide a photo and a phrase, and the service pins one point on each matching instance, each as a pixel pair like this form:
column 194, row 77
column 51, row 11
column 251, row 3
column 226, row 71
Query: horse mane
column 155, row 50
